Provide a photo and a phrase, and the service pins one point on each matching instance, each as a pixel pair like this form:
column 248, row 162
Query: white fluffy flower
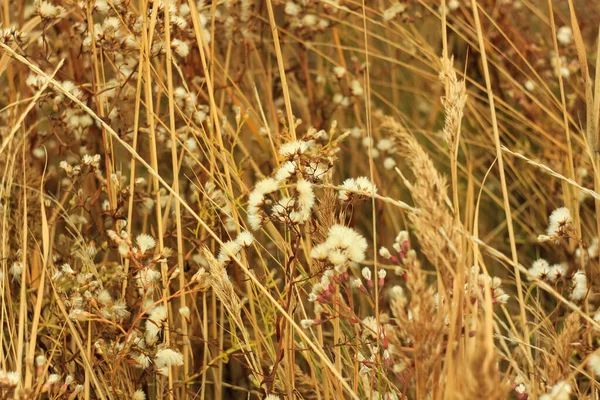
column 339, row 72
column 290, row 149
column 306, row 200
column 245, row 239
column 10, row 378
column 142, row 360
column 342, row 243
column 184, row 312
column 154, row 323
column 180, row 47
column 285, row 171
column 309, row 20
column 291, row 8
column 384, row 252
column 558, row 219
column 560, row 391
column 40, row 360
column 111, row 24
column 266, row 186
column 255, row 221
column 564, row 35
column 556, row 271
column 390, row 13
column 229, row 250
column 366, row 273
column 579, row 286
column 48, row 11
column 356, row 188
column 594, row 363
column 168, row 357
column 139, row 395
column 539, row 269
column 165, row 358
column 530, row 85
column 356, row 88
column 371, row 327
column 389, row 163
column 104, row 298
column 385, row 144
column 307, row 323
column 16, row 270
column 256, row 200
column 453, row 5
column 145, row 242
column 146, row 277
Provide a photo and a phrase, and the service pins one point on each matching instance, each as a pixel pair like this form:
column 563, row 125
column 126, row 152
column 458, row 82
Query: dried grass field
column 299, row 199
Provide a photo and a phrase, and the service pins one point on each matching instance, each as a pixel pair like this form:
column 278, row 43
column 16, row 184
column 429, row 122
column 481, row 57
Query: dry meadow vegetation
column 299, row 199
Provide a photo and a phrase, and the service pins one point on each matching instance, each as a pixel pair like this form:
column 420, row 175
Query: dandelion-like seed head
column 145, row 242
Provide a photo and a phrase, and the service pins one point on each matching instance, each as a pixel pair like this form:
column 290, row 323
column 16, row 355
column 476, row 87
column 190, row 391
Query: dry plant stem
column 595, row 131
column 456, row 316
column 489, row 315
column 24, row 283
column 146, row 46
column 106, row 140
column 511, row 234
column 583, row 62
column 591, row 127
column 594, row 143
column 175, row 167
column 198, row 30
column 4, row 292
column 205, row 349
column 210, row 137
column 40, row 290
column 372, row 175
column 570, row 167
column 7, row 299
column 555, row 174
column 284, row 85
column 136, row 122
column 9, row 70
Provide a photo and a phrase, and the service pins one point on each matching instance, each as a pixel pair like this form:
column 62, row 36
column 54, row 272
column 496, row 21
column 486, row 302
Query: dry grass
column 307, row 199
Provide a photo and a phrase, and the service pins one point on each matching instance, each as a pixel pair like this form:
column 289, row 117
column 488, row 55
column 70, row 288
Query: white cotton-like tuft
column 580, row 288
column 229, row 250
column 166, row 358
column 154, row 323
column 291, row 149
column 306, row 199
column 564, row 35
column 594, row 363
column 139, row 395
column 539, row 269
column 560, row 391
column 145, row 242
column 559, row 218
column 245, row 239
column 356, row 188
column 285, row 171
